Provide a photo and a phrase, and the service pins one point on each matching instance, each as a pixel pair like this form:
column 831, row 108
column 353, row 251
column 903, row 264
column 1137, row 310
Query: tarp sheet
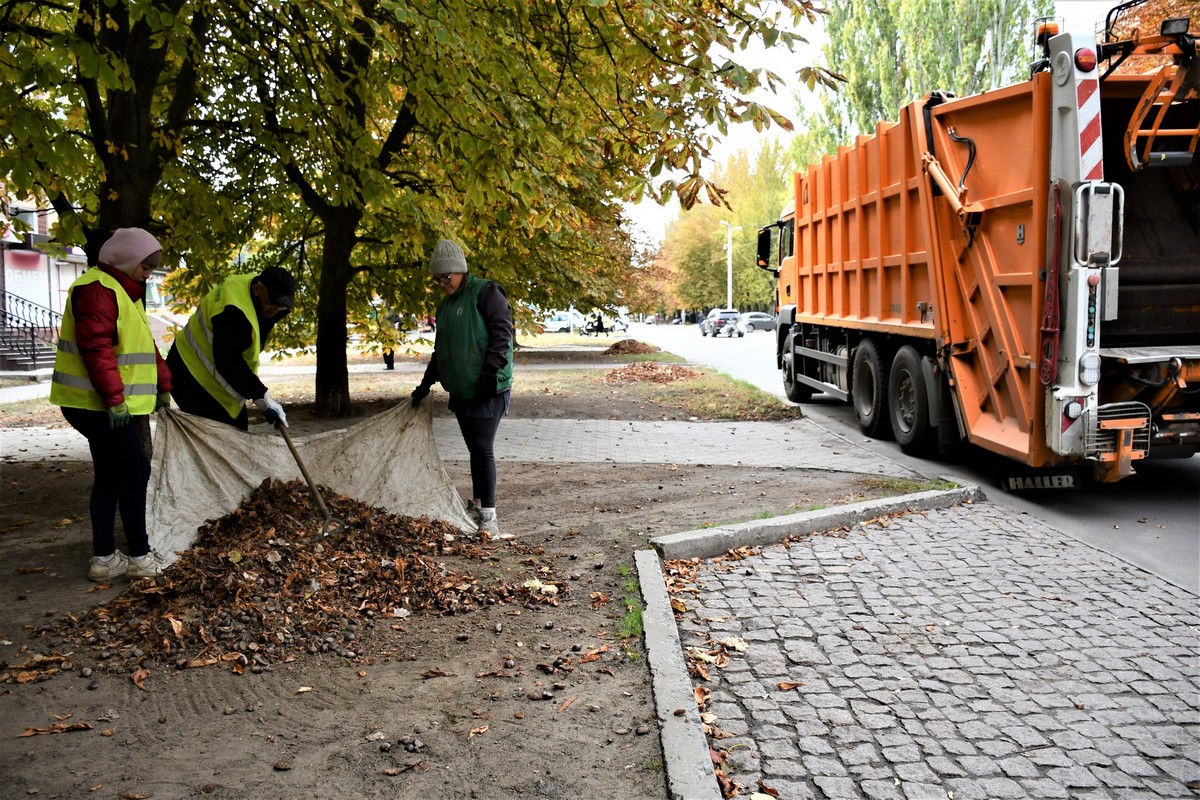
column 203, row 470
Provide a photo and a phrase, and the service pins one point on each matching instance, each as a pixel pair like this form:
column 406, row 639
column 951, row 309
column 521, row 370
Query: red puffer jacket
column 95, row 310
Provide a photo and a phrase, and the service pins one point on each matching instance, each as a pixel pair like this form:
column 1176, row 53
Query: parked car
column 721, row 321
column 562, row 321
column 755, row 321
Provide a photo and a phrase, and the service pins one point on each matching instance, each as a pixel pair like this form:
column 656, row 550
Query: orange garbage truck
column 1017, row 269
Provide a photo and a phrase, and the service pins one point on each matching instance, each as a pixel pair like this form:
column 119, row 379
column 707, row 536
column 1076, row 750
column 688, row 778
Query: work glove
column 118, row 415
column 486, row 385
column 162, row 401
column 419, row 394
column 272, row 411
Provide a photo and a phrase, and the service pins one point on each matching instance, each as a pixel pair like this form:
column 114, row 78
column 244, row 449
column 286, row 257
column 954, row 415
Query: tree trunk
column 333, row 380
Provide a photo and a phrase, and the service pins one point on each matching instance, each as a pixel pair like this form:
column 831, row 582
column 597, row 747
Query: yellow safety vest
column 135, row 351
column 196, row 343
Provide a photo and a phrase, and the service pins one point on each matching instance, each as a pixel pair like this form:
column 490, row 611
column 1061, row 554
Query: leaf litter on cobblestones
column 254, row 589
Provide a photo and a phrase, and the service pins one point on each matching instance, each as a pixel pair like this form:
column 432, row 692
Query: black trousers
column 479, row 433
column 121, row 467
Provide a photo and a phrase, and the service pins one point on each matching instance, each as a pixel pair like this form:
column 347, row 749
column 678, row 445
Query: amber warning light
column 1085, row 59
column 1045, row 30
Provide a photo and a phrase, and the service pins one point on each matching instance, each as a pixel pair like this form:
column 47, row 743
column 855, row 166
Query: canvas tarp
column 203, row 470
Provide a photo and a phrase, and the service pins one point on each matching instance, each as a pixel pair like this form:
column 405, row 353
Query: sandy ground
column 440, row 706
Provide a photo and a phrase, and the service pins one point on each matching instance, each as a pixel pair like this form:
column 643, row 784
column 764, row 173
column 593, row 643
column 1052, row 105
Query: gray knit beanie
column 128, row 247
column 447, row 258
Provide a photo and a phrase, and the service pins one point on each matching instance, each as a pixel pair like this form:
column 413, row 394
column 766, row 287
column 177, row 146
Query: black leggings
column 121, row 463
column 480, row 435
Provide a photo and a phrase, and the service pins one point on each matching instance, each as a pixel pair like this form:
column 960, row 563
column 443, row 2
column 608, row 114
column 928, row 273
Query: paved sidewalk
column 960, row 653
column 798, row 444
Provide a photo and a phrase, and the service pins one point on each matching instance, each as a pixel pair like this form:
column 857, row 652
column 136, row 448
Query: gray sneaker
column 150, row 565
column 108, row 567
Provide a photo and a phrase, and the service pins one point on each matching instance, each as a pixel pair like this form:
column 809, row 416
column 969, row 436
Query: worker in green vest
column 473, row 360
column 108, row 378
column 214, row 359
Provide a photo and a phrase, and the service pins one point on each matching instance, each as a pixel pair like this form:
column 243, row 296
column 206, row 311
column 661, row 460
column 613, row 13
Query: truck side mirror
column 764, row 259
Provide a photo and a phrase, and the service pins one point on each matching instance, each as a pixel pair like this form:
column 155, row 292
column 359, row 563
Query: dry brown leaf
column 482, row 729
column 436, row 673
column 594, row 654
column 787, row 686
column 767, row 790
column 567, row 703
column 58, row 727
column 735, row 643
column 402, row 769
column 139, row 678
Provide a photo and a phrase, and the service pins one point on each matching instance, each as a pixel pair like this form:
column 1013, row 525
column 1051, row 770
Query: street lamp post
column 729, row 229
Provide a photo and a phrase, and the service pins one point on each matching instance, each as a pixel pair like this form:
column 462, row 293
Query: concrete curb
column 712, row 542
column 688, row 765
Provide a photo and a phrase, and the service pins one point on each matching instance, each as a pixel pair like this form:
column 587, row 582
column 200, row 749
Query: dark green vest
column 461, row 342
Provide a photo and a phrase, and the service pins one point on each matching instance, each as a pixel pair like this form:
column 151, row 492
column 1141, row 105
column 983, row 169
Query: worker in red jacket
column 108, row 378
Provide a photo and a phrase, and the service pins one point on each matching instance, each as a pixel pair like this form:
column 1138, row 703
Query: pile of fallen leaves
column 630, row 346
column 650, row 372
column 255, row 589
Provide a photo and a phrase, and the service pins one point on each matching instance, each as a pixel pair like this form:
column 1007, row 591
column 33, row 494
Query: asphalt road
column 1151, row 519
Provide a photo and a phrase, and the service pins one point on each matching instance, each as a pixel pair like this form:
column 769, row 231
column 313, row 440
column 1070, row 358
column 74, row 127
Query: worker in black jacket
column 214, row 360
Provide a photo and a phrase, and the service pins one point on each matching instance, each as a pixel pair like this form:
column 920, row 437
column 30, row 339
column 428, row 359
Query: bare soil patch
column 513, row 698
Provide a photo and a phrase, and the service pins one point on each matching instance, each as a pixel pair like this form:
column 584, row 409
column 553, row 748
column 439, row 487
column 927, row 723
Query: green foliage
column 892, row 52
column 758, row 185
column 349, row 136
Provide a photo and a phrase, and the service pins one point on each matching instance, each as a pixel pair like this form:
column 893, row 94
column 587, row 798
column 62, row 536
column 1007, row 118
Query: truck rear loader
column 1017, row 269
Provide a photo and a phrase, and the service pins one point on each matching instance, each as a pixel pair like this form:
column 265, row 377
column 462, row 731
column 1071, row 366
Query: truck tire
column 868, row 391
column 908, row 404
column 793, row 389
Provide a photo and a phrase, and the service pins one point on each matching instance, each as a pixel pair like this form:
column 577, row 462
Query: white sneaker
column 150, row 565
column 108, row 567
column 489, row 529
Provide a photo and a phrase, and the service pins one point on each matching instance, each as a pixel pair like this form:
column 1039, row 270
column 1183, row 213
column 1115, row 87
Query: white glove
column 272, row 411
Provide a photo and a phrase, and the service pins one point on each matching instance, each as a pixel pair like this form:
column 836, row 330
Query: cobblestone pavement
column 959, row 654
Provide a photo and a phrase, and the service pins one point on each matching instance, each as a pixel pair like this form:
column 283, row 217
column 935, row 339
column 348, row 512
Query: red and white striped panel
column 1087, row 100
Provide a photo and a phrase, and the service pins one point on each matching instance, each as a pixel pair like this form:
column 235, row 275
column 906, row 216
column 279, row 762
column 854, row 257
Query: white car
column 721, row 321
column 563, row 321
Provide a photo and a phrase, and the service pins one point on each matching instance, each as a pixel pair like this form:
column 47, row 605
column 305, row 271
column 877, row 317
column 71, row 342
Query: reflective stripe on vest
column 196, row 344
column 135, row 354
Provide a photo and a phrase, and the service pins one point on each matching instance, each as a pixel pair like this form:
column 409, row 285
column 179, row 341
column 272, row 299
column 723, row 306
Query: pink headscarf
column 129, row 247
